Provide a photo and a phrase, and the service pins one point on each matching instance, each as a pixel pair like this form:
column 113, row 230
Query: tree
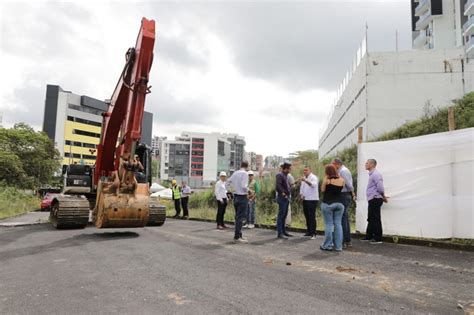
column 29, row 158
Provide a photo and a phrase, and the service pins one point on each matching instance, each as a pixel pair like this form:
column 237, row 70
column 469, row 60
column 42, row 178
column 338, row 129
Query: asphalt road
column 189, row 267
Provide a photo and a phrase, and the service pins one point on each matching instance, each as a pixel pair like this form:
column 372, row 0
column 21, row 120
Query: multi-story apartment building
column 251, row 158
column 207, row 154
column 273, row 162
column 259, row 162
column 175, row 157
column 437, row 24
column 74, row 123
column 468, row 28
column 237, row 150
column 156, row 144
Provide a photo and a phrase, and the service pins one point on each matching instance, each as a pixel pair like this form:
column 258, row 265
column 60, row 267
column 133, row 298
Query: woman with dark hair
column 332, row 209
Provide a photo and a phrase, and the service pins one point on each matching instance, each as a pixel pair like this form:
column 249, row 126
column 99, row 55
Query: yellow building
column 74, row 123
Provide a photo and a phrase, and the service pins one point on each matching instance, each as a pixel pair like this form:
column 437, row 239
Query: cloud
column 265, row 70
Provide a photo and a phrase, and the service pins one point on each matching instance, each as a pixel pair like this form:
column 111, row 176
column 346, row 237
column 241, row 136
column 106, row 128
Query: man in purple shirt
column 283, row 194
column 375, row 197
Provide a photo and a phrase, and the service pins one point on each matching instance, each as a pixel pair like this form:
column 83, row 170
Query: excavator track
column 157, row 216
column 69, row 212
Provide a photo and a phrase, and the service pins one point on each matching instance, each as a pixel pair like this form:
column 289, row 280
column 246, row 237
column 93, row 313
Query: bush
column 14, row 201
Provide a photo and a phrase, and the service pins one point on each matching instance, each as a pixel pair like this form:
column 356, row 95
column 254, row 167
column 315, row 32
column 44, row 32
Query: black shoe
column 308, row 235
column 283, row 237
column 287, row 234
column 325, row 249
column 176, row 216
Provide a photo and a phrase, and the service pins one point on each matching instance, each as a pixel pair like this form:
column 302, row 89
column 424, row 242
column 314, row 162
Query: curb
column 16, row 224
column 394, row 239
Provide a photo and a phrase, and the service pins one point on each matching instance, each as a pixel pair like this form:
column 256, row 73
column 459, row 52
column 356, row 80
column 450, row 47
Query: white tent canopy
column 163, row 194
column 155, row 187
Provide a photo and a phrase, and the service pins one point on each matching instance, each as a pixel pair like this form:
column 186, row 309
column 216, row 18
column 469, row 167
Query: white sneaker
column 251, row 226
column 240, row 240
column 246, row 226
column 313, row 237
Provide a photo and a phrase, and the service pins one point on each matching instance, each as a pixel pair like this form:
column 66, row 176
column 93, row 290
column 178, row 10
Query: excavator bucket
column 121, row 210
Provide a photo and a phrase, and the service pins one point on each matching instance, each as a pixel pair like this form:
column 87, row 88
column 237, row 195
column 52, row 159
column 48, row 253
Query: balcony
column 420, row 40
column 468, row 27
column 469, row 8
column 470, row 48
column 424, row 20
column 422, row 6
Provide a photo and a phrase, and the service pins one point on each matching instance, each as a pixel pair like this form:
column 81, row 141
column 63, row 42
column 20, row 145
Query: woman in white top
column 220, row 191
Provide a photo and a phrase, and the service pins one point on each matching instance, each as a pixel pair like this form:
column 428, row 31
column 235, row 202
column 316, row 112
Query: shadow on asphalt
column 76, row 240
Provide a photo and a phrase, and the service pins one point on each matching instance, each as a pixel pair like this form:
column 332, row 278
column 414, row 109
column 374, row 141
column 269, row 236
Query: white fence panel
column 430, row 182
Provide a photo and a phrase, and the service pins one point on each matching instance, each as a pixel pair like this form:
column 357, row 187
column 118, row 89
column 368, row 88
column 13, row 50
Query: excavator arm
column 125, row 113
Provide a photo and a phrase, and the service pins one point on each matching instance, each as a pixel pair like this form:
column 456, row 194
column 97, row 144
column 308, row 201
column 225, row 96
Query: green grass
column 14, row 202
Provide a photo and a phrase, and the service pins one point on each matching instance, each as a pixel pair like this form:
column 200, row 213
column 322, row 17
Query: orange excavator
column 117, row 188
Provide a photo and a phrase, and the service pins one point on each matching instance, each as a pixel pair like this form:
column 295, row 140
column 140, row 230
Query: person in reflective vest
column 176, row 196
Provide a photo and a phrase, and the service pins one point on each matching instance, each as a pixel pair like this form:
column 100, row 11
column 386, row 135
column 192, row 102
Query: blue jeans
column 240, row 205
column 251, row 212
column 283, row 203
column 346, row 225
column 332, row 215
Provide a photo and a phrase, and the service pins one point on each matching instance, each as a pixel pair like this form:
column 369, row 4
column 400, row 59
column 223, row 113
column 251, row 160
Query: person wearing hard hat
column 220, row 192
column 176, row 196
column 252, row 195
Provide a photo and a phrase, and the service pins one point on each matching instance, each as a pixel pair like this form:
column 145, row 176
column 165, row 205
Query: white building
column 388, row 89
column 383, row 90
column 156, row 144
column 195, row 157
column 468, row 28
column 251, row 158
column 437, row 24
column 273, row 161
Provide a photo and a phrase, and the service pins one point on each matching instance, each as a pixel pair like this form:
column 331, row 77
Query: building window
column 85, row 133
column 73, row 155
column 80, row 144
column 85, row 109
column 84, row 121
column 88, row 157
column 220, row 148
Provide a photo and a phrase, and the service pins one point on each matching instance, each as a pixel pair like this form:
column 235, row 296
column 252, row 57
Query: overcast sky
column 265, row 70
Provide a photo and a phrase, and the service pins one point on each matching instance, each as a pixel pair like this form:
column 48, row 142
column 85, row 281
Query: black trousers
column 221, row 211
column 177, row 206
column 374, row 226
column 184, row 205
column 309, row 208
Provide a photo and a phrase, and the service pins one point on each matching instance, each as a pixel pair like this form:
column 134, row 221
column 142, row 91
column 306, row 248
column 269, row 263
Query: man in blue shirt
column 283, row 194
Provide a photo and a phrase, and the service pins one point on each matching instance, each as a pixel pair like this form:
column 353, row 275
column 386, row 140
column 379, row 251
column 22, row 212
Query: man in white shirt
column 240, row 181
column 310, row 195
column 220, row 191
column 185, row 193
